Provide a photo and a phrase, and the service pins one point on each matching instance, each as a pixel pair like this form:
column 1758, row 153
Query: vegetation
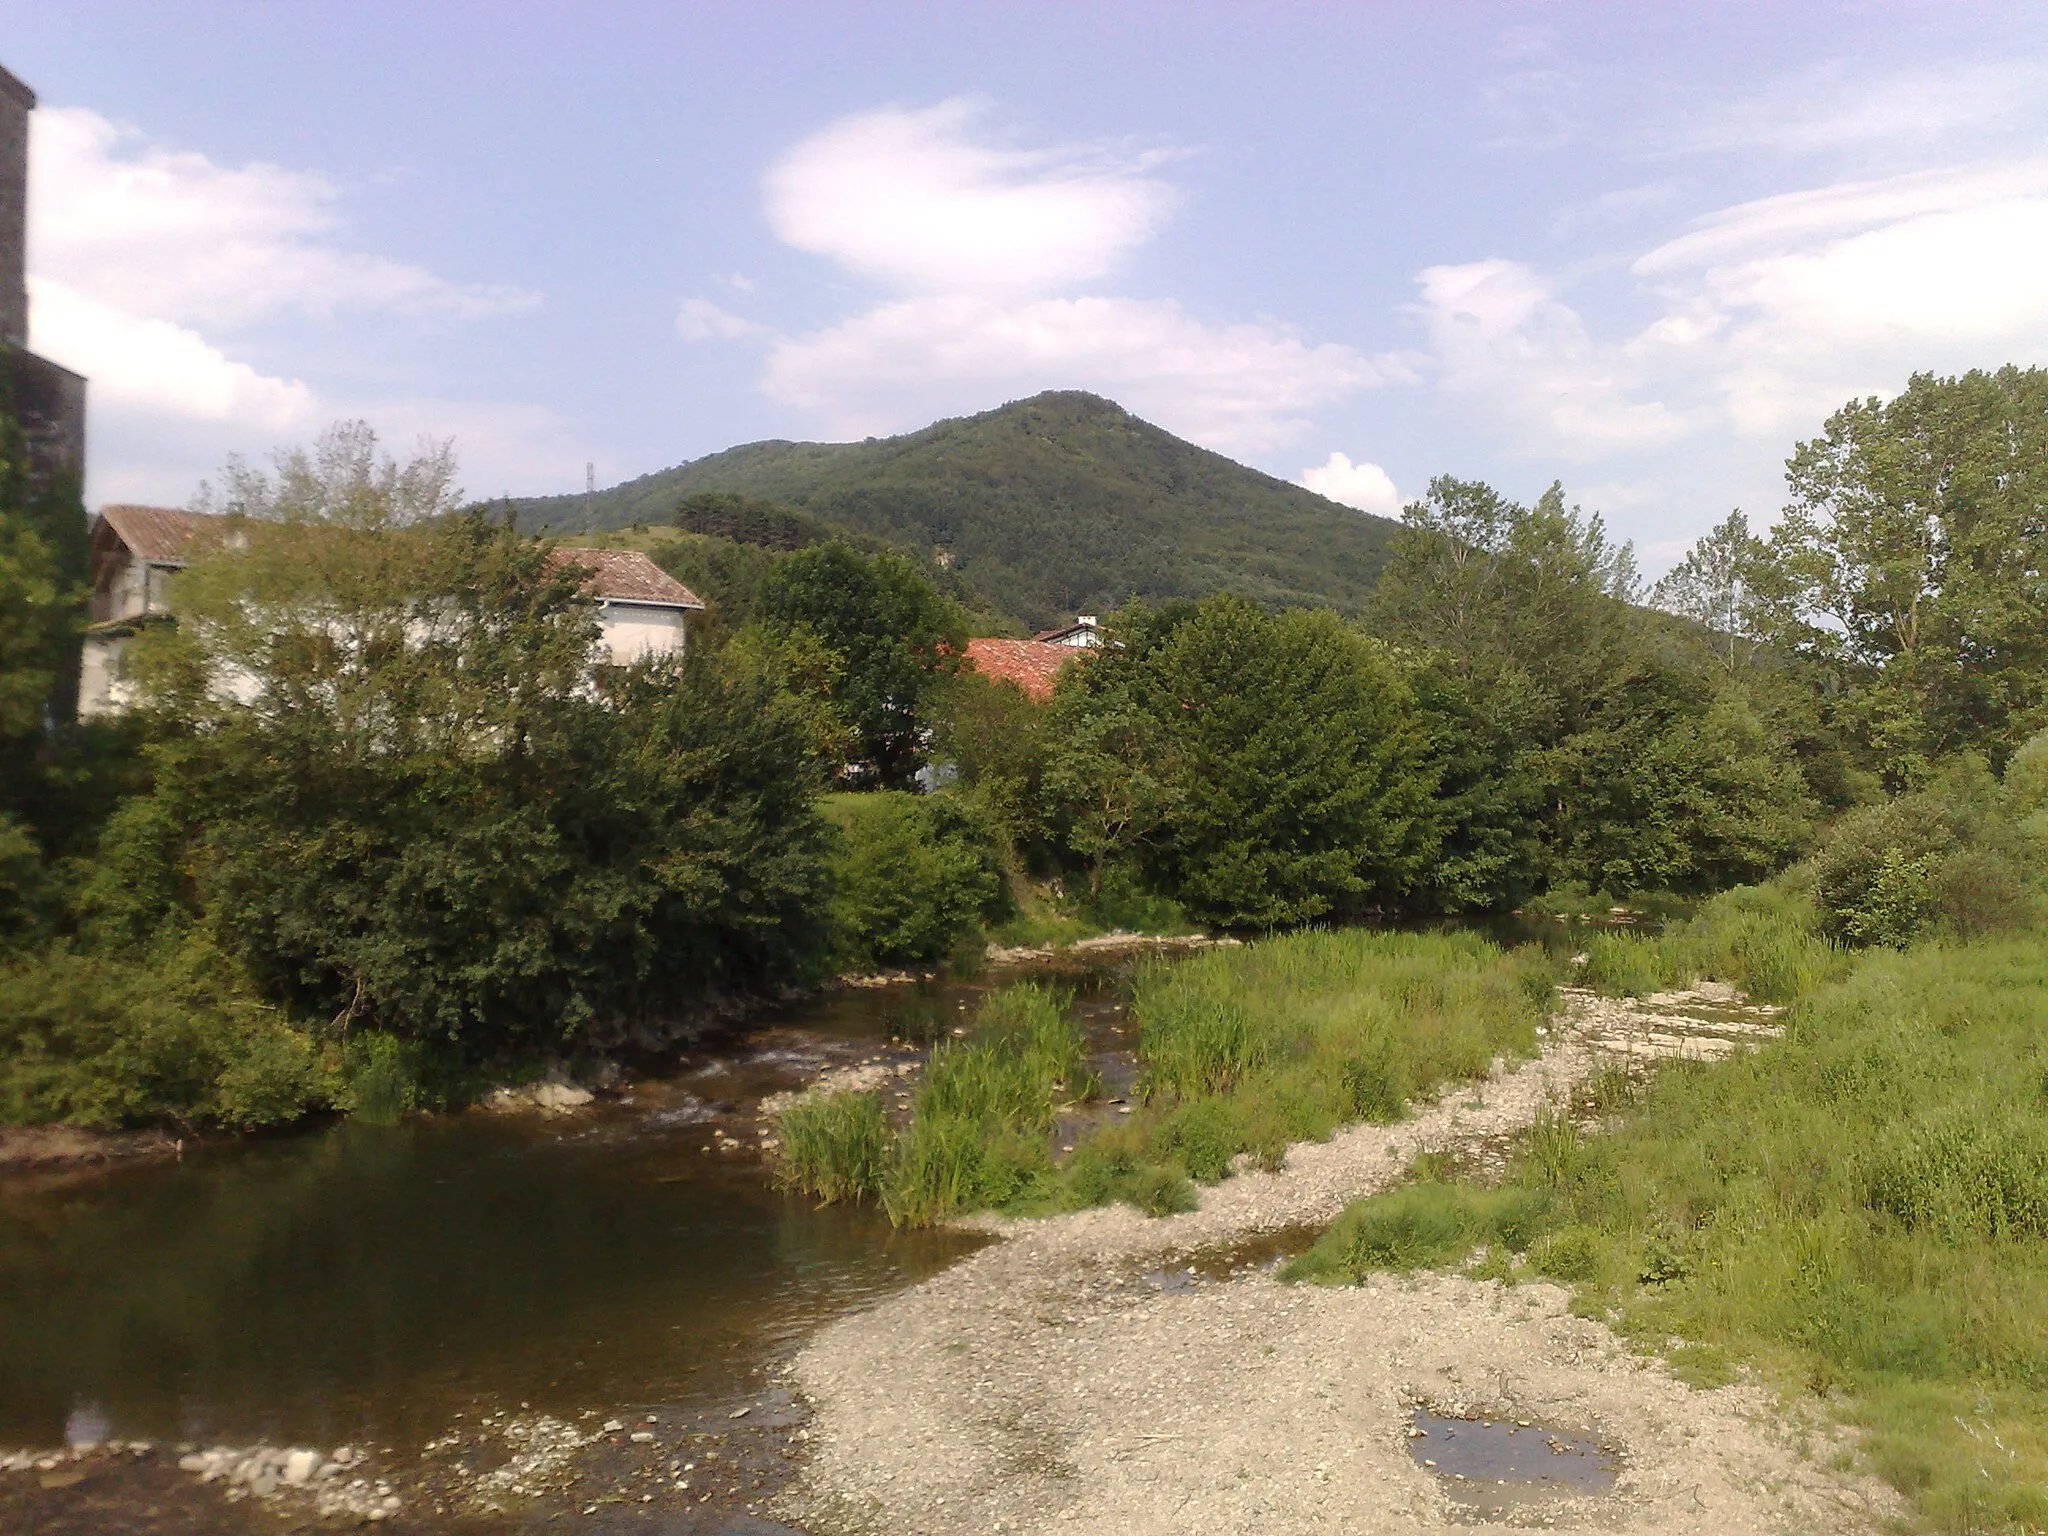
column 1059, row 504
column 1241, row 1051
column 913, row 878
column 1858, row 1210
column 1267, row 769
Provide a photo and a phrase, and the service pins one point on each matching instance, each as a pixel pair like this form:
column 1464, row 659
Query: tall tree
column 892, row 634
column 1916, row 541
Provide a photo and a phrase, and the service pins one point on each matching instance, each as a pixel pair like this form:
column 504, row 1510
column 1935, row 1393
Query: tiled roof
column 160, row 535
column 627, row 576
column 1030, row 664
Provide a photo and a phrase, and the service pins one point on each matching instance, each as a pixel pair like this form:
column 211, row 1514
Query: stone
column 612, row 1426
column 299, row 1467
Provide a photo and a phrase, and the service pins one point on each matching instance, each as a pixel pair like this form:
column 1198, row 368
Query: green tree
column 893, row 635
column 392, row 787
column 1281, row 753
column 1914, row 541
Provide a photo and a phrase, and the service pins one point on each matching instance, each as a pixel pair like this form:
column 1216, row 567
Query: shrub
column 1975, row 1173
column 1947, row 859
column 1570, row 1253
column 912, row 875
column 100, row 1042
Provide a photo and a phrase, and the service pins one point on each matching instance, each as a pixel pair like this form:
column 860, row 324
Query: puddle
column 1493, row 1466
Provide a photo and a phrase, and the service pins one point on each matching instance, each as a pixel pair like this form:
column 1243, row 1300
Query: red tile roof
column 627, row 576
column 1031, row 665
column 160, row 535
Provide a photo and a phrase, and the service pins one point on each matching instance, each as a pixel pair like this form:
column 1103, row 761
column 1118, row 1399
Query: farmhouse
column 1034, row 665
column 641, row 610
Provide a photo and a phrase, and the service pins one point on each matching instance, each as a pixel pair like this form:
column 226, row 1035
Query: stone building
column 49, row 401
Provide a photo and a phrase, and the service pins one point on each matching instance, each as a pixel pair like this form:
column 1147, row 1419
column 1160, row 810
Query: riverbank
column 1076, row 1375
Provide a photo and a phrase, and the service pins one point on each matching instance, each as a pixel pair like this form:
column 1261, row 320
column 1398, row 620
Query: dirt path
column 1067, row 1380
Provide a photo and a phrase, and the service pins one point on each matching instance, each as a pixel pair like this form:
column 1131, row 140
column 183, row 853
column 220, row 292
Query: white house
column 1081, row 635
column 641, row 609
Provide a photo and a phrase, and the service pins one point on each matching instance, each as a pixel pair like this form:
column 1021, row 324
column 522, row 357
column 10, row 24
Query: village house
column 1034, row 665
column 641, row 610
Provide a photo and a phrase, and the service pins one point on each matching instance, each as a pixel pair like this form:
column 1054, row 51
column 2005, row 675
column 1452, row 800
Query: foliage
column 891, row 636
column 173, row 1034
column 1769, row 940
column 423, row 818
column 1568, row 748
column 1911, row 552
column 1949, row 858
column 994, row 738
column 1427, row 1224
column 911, row 877
column 1266, row 769
column 834, row 1146
column 750, row 520
column 1059, row 504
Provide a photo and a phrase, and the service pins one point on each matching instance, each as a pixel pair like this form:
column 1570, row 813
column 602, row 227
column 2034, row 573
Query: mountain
column 1061, row 504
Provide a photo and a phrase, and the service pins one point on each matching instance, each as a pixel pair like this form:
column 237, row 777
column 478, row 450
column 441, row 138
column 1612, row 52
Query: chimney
column 16, row 101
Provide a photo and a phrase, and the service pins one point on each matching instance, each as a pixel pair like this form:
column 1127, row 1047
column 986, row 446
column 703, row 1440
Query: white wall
column 633, row 630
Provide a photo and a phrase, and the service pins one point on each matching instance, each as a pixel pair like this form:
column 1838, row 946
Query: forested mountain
column 1046, row 507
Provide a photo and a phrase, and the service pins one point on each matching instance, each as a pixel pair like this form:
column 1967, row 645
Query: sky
column 1641, row 249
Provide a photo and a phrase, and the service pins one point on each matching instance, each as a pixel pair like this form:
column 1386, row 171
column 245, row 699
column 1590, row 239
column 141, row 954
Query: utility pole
column 589, row 491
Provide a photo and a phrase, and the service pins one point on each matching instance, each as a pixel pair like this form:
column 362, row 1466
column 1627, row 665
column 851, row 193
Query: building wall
column 631, row 631
column 101, row 690
column 16, row 101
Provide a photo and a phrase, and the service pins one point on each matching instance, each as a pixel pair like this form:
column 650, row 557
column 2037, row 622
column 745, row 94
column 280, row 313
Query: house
column 641, row 609
column 1081, row 635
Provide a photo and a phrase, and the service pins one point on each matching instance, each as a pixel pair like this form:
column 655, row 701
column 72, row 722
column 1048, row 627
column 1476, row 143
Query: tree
column 1915, row 543
column 893, row 636
column 1276, row 762
column 1733, row 591
column 391, row 786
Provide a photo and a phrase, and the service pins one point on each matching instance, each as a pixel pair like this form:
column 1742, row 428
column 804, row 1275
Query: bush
column 912, row 876
column 101, row 1043
column 1948, row 859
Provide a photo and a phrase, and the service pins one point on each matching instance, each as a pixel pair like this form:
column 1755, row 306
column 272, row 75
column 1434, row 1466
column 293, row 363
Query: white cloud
column 907, row 197
column 1500, row 335
column 167, row 233
column 1838, row 107
column 158, row 367
column 1237, row 388
column 1772, row 313
column 1362, row 485
column 702, row 320
column 148, row 263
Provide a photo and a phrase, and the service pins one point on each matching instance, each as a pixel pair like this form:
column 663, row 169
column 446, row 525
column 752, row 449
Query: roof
column 627, row 576
column 160, row 535
column 165, row 536
column 1031, row 665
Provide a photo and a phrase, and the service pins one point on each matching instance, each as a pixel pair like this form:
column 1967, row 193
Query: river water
column 369, row 1284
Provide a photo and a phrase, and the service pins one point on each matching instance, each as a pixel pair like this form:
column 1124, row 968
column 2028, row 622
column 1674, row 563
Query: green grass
column 1859, row 1210
column 1765, row 939
column 834, row 1146
column 1246, row 1051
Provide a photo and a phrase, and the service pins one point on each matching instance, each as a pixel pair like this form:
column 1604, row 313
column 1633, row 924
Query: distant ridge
column 1060, row 504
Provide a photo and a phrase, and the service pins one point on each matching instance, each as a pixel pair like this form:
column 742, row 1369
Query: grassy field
column 1241, row 1051
column 1858, row 1211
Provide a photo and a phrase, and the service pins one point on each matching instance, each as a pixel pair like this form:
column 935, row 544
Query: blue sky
column 1642, row 249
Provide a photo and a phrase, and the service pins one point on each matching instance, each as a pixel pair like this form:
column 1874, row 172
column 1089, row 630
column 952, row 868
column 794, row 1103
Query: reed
column 834, row 1146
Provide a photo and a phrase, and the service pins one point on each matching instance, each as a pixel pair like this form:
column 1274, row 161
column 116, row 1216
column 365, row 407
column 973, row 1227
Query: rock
column 641, row 1436
column 612, row 1426
column 263, row 1484
column 555, row 1097
column 299, row 1467
column 194, row 1463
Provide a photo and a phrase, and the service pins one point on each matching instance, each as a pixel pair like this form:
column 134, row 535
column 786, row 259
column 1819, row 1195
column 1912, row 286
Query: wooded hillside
column 1046, row 507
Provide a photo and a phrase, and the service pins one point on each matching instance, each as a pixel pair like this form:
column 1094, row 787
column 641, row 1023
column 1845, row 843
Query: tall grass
column 978, row 1127
column 1765, row 939
column 1860, row 1209
column 1245, row 1051
column 835, row 1146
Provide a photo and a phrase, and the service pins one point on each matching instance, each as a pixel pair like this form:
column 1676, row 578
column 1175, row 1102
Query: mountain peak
column 1059, row 503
